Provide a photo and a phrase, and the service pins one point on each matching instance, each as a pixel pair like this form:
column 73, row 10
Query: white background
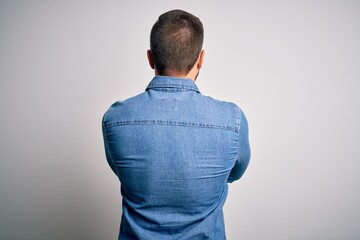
column 292, row 66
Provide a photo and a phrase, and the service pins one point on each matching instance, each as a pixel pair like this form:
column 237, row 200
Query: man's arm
column 107, row 152
column 244, row 152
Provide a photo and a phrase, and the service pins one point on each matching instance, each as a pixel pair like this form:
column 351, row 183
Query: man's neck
column 191, row 75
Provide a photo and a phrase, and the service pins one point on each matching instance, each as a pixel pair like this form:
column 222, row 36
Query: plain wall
column 292, row 66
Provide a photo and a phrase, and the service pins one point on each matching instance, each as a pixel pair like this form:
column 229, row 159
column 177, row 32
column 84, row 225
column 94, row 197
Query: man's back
column 174, row 150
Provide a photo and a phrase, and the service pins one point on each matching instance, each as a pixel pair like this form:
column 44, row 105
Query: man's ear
column 200, row 60
column 150, row 59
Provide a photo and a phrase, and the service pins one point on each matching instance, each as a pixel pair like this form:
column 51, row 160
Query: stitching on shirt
column 171, row 86
column 170, row 122
column 171, row 89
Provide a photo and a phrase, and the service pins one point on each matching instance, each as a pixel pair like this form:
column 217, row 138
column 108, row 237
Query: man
column 173, row 149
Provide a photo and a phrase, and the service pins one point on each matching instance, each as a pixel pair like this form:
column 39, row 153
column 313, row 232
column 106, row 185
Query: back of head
column 176, row 40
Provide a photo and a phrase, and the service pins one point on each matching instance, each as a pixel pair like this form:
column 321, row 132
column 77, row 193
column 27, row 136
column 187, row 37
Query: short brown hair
column 175, row 41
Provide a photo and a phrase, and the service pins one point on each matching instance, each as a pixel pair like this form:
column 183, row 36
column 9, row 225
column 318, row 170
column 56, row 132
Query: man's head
column 176, row 42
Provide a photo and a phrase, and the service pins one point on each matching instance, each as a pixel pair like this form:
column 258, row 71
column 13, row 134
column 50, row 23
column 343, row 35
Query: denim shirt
column 174, row 151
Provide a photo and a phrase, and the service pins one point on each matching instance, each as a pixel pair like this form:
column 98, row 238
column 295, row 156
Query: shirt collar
column 174, row 83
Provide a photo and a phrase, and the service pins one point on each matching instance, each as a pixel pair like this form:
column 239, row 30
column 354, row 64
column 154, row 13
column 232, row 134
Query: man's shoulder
column 196, row 108
column 223, row 106
column 221, row 112
column 120, row 107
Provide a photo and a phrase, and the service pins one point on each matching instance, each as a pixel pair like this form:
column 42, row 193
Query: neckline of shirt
column 173, row 83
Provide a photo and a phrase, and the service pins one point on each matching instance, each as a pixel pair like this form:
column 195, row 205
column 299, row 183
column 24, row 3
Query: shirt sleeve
column 107, row 151
column 244, row 152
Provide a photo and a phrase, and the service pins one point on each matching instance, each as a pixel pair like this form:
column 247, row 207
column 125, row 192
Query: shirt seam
column 171, row 123
column 172, row 89
column 172, row 86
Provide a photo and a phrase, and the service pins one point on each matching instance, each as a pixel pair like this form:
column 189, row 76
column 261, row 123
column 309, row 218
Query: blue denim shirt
column 174, row 151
